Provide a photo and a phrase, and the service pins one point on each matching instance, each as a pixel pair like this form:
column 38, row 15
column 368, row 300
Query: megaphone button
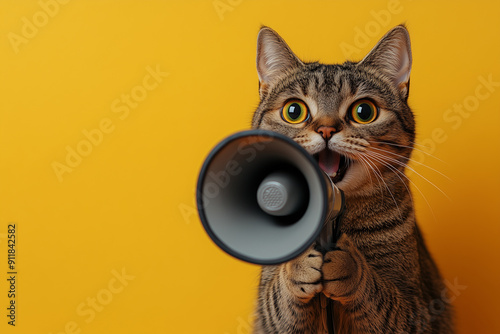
column 273, row 196
column 280, row 194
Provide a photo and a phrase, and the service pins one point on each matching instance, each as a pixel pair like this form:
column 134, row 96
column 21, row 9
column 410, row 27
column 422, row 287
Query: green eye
column 364, row 112
column 294, row 111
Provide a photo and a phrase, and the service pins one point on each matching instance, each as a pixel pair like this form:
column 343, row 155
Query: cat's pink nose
column 326, row 131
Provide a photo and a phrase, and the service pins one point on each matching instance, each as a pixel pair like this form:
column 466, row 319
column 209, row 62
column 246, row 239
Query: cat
column 355, row 120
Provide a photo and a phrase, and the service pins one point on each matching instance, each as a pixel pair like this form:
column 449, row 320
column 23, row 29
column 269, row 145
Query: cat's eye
column 363, row 111
column 294, row 111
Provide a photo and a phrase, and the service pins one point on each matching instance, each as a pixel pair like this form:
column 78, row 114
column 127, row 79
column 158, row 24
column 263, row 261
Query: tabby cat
column 355, row 120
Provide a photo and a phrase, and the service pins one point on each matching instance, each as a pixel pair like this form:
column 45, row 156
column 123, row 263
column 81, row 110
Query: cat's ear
column 392, row 56
column 274, row 57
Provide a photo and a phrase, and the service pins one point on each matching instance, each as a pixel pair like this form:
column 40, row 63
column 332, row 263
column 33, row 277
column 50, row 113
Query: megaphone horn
column 263, row 199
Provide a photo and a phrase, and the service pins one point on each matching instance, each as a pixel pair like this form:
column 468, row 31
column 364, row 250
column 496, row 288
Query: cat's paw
column 303, row 275
column 342, row 270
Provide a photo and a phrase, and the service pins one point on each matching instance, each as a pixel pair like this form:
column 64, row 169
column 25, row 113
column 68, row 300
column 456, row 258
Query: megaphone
column 263, row 199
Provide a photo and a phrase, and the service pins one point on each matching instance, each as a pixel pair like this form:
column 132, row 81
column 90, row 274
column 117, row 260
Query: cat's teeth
column 334, row 174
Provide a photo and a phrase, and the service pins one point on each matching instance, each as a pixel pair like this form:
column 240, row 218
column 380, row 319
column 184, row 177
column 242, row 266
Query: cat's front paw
column 303, row 275
column 342, row 270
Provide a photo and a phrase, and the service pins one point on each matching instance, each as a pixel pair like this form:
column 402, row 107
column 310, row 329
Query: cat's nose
column 326, row 131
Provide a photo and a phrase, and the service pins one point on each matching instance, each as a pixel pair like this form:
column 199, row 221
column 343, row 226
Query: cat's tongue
column 329, row 161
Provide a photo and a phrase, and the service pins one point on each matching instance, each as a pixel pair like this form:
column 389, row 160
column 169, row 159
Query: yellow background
column 130, row 203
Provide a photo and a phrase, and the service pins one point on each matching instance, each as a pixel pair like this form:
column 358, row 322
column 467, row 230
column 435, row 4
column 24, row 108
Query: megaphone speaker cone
column 262, row 198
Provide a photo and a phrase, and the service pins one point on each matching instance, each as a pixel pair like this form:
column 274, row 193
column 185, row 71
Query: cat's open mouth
column 332, row 163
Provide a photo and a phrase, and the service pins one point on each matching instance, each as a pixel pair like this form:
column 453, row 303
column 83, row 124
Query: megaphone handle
column 335, row 236
column 328, row 236
column 327, row 303
column 329, row 316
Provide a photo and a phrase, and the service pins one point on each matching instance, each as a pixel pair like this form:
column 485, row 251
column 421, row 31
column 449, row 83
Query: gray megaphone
column 263, row 199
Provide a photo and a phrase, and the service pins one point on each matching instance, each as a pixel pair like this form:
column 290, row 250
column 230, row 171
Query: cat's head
column 352, row 117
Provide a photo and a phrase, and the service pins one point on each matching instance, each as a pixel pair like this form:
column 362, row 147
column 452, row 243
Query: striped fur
column 380, row 273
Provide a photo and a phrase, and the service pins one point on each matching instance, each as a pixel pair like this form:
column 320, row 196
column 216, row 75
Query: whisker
column 396, row 171
column 406, row 166
column 369, row 167
column 412, row 160
column 413, row 183
column 366, row 169
column 417, row 144
column 389, row 190
column 410, row 147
